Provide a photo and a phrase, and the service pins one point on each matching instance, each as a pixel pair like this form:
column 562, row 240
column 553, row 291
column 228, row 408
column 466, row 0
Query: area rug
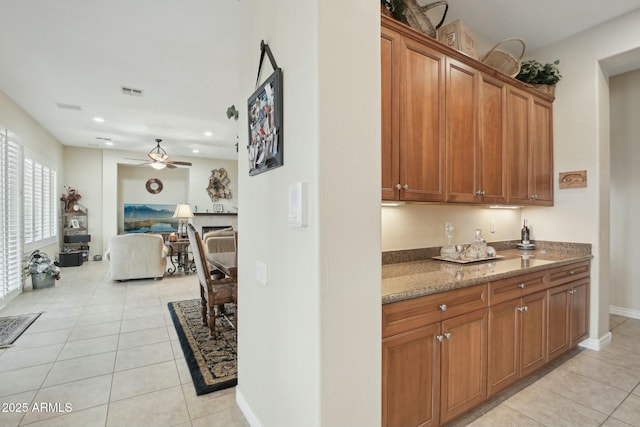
column 212, row 362
column 11, row 327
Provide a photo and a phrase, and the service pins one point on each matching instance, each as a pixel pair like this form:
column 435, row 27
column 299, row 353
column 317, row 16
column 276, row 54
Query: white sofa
column 137, row 256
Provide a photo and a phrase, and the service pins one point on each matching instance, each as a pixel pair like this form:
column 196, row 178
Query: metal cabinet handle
column 439, row 338
column 406, row 186
column 571, row 273
column 398, row 187
column 522, row 285
column 443, row 307
column 447, row 336
column 572, row 291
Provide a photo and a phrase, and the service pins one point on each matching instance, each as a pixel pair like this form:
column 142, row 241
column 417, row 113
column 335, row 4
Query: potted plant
column 43, row 271
column 70, row 197
column 541, row 76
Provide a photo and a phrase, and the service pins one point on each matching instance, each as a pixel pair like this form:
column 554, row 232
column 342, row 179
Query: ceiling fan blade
column 170, row 166
column 170, row 162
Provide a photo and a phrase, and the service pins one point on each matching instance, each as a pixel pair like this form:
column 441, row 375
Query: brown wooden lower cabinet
column 517, row 339
column 411, row 378
column 435, row 373
column 432, row 373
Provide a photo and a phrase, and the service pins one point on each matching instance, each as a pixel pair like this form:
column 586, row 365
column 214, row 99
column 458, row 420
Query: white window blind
column 10, row 235
column 40, row 207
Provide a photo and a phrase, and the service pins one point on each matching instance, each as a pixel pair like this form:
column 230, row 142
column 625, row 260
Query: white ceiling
column 185, row 56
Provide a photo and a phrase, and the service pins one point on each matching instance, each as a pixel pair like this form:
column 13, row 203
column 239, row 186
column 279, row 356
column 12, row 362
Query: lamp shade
column 183, row 211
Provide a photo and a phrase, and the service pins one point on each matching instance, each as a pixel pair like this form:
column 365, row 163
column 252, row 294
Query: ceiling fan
column 159, row 159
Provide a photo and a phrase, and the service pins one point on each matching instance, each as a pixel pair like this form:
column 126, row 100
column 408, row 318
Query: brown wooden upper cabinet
column 456, row 130
column 530, row 149
column 412, row 119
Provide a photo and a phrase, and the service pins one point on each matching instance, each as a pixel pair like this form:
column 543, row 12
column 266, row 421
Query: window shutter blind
column 10, row 235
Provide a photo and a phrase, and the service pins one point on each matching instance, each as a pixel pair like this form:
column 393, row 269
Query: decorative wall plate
column 154, row 186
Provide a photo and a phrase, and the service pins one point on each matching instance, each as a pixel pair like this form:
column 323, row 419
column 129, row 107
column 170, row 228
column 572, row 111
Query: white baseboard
column 246, row 410
column 597, row 344
column 626, row 312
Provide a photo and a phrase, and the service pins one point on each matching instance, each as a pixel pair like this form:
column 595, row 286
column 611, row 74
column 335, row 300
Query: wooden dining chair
column 214, row 292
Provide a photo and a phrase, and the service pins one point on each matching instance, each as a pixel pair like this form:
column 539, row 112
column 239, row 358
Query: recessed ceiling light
column 195, row 151
column 208, row 133
column 109, row 143
column 98, row 119
column 68, row 106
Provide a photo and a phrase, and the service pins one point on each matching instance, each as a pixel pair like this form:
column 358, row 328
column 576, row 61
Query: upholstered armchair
column 219, row 241
column 137, row 256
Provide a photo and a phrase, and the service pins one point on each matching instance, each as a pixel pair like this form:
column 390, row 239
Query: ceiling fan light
column 157, row 165
column 158, row 157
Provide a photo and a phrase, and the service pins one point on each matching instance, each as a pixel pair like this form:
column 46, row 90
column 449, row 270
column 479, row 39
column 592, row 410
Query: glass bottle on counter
column 524, row 234
column 449, row 250
column 478, row 248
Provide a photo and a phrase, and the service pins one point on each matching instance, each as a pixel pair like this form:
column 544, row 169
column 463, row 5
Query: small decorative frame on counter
column 574, row 179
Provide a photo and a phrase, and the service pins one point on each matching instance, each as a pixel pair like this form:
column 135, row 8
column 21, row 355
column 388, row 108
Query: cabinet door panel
column 558, row 321
column 464, row 364
column 579, row 312
column 389, row 60
column 533, row 346
column 422, row 123
column 542, row 153
column 461, row 135
column 518, row 148
column 504, row 345
column 411, row 378
column 492, row 154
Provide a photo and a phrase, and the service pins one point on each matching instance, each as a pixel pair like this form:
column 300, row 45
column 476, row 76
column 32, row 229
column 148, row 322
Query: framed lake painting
column 149, row 218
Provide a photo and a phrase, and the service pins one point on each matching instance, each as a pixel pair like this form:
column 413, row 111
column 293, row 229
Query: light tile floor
column 594, row 388
column 110, row 351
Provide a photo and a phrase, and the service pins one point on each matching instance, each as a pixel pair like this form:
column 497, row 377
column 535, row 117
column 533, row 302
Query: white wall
column 581, row 138
column 37, row 141
column 625, row 204
column 309, row 341
column 415, row 226
column 83, row 171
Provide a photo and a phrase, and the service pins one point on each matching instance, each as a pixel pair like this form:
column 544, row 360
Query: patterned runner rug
column 12, row 327
column 212, row 363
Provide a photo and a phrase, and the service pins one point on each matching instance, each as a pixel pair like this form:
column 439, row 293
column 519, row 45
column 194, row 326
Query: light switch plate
column 261, row 272
column 298, row 204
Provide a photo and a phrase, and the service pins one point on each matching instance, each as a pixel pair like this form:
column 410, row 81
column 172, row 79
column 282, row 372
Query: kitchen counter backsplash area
column 409, row 255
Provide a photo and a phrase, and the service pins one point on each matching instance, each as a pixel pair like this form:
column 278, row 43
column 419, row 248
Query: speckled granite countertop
column 421, row 275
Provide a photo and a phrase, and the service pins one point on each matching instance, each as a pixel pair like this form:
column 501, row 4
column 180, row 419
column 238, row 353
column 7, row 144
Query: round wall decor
column 154, row 186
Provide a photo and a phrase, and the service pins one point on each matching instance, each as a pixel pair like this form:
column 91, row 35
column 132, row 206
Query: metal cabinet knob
column 523, row 309
column 439, row 338
column 406, row 186
column 572, row 291
column 522, row 285
column 443, row 307
column 480, row 193
column 447, row 335
column 398, row 187
column 571, row 273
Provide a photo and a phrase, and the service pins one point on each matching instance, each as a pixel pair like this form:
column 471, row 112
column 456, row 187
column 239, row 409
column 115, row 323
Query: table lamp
column 183, row 211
